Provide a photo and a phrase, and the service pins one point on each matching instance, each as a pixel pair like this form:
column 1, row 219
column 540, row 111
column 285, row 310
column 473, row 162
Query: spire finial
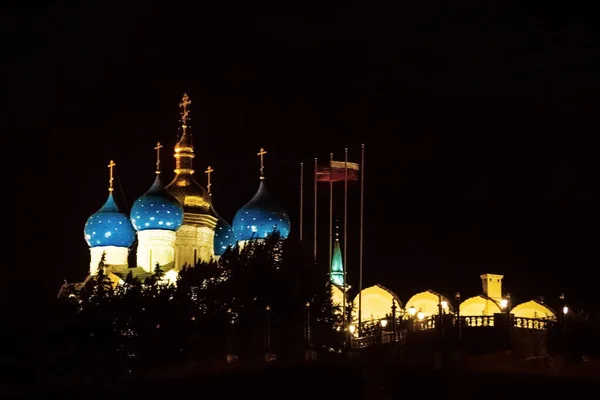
column 157, row 148
column 111, row 165
column 185, row 102
column 207, row 172
column 261, row 154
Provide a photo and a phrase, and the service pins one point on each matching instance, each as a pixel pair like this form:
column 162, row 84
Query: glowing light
column 384, row 323
column 565, row 310
column 420, row 315
column 444, row 304
column 503, row 303
column 412, row 311
column 352, row 329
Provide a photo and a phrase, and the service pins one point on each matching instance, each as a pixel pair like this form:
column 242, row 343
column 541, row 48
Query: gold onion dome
column 193, row 197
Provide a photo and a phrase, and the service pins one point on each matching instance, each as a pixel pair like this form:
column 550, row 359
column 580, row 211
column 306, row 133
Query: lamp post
column 268, row 331
column 458, row 321
column 383, row 323
column 565, row 311
column 393, row 320
column 308, row 333
column 229, row 332
column 505, row 304
column 231, row 357
column 411, row 312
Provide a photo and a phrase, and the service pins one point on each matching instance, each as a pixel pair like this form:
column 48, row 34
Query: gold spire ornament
column 261, row 154
column 157, row 148
column 185, row 102
column 207, row 172
column 111, row 165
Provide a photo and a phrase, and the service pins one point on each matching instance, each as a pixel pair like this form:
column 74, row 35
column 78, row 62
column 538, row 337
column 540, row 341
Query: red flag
column 335, row 172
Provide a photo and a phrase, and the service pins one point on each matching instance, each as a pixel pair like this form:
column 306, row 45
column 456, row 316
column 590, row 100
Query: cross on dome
column 110, row 180
column 261, row 154
column 207, row 172
column 157, row 148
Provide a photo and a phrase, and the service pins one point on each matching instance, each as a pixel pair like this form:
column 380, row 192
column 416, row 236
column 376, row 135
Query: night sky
column 477, row 124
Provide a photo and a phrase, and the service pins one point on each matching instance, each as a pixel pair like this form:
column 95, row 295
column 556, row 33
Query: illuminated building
column 261, row 216
column 195, row 238
column 156, row 216
column 108, row 232
column 176, row 224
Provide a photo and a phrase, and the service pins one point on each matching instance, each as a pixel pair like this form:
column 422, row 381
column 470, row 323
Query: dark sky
column 478, row 125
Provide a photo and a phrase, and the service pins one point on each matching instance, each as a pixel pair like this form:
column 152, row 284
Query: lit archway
column 428, row 302
column 479, row 305
column 376, row 303
column 533, row 309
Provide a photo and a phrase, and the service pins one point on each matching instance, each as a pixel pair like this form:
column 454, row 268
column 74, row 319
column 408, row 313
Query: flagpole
column 345, row 263
column 330, row 211
column 301, row 198
column 360, row 246
column 315, row 212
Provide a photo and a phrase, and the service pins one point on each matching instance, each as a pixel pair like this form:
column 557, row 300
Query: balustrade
column 478, row 321
column 530, row 323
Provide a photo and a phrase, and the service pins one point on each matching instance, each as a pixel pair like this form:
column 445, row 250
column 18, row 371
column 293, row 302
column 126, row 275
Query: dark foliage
column 266, row 294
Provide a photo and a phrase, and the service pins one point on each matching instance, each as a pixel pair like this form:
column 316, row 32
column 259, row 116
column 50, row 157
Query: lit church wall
column 113, row 255
column 155, row 246
column 533, row 309
column 193, row 244
column 376, row 303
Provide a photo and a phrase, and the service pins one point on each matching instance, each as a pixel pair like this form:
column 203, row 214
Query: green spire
column 337, row 266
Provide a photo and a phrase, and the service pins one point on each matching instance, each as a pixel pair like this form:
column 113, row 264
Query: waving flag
column 335, row 172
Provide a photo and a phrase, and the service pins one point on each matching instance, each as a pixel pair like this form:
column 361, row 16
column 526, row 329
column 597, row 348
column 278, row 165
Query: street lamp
column 565, row 311
column 352, row 329
column 384, row 323
column 444, row 304
column 458, row 323
column 393, row 320
column 412, row 311
column 308, row 338
column 268, row 330
column 420, row 315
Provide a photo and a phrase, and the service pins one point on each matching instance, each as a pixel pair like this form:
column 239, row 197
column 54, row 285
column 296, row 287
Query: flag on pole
column 335, row 172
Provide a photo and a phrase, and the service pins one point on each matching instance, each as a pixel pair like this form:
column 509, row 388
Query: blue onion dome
column 224, row 237
column 157, row 209
column 260, row 217
column 109, row 226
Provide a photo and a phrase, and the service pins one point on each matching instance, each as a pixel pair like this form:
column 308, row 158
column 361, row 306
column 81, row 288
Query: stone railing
column 478, row 321
column 426, row 323
column 530, row 323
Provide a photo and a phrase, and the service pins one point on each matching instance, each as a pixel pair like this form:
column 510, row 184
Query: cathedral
column 175, row 225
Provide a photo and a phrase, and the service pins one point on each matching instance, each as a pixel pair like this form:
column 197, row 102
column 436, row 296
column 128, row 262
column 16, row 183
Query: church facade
column 176, row 225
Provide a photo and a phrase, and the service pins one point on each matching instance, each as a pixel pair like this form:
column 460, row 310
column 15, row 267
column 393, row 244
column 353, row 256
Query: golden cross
column 185, row 102
column 207, row 172
column 157, row 148
column 110, row 181
column 261, row 153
